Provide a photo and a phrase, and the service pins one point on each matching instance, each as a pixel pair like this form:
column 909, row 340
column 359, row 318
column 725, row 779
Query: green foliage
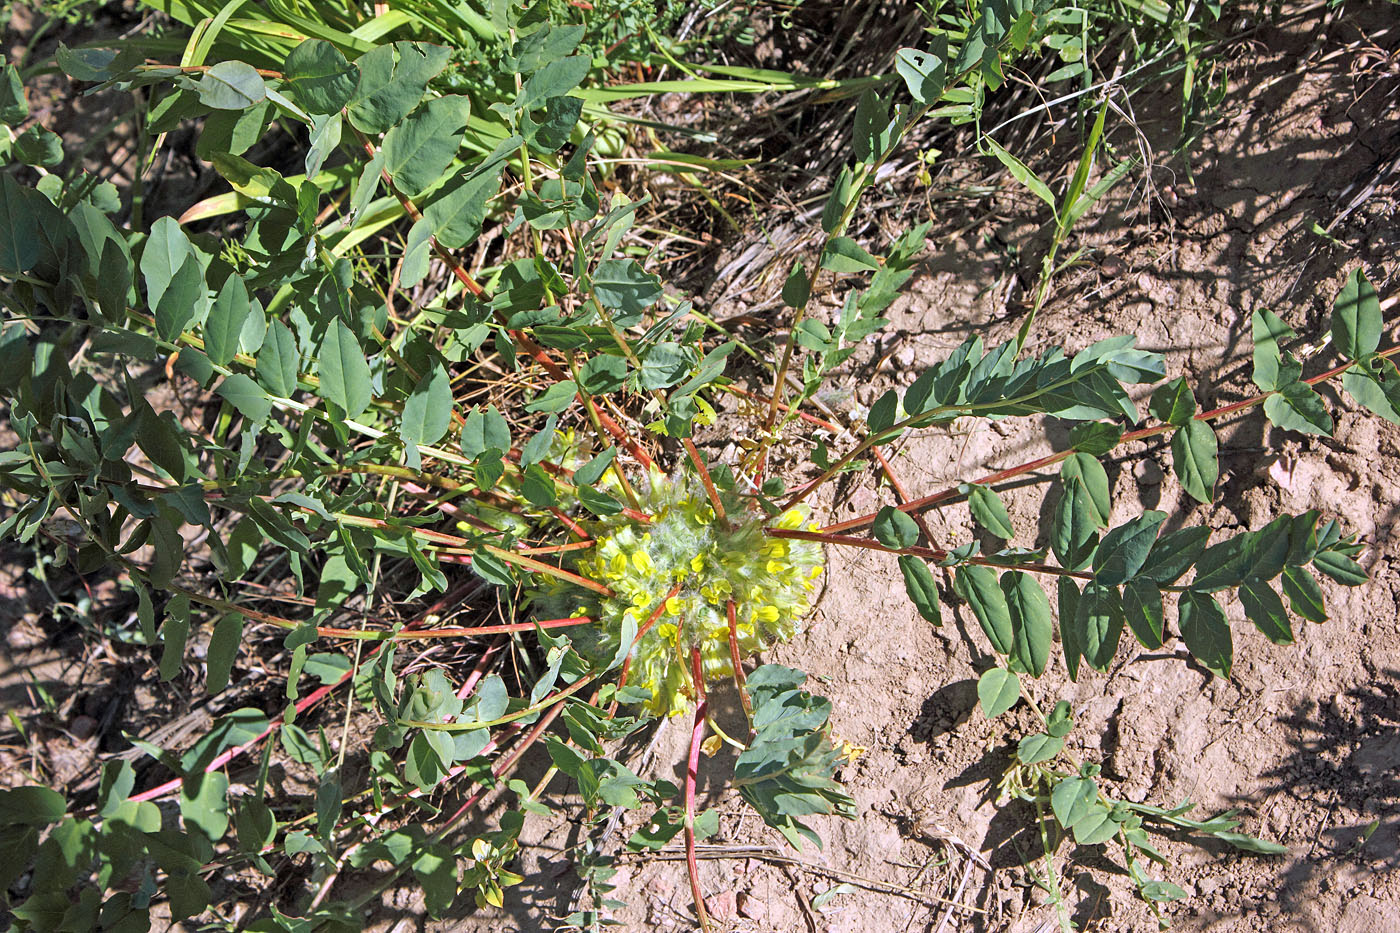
column 786, row 771
column 341, row 430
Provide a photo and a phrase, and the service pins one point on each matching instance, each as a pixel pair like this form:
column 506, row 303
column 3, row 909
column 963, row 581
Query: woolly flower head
column 771, row 581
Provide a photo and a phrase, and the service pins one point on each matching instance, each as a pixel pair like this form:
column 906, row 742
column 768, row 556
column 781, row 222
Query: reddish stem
column 503, row 767
column 740, row 679
column 302, row 705
column 646, row 627
column 709, row 483
column 482, row 664
column 692, row 769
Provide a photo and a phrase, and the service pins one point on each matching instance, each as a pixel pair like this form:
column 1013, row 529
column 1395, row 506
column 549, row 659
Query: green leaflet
column 418, row 150
column 1194, row 459
column 997, row 691
column 319, row 78
column 392, row 81
column 978, row 585
column 1356, row 317
column 1206, row 632
column 428, row 410
column 1032, row 629
column 345, row 376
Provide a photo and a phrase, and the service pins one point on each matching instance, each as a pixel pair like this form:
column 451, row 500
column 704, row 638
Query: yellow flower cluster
column 771, row 581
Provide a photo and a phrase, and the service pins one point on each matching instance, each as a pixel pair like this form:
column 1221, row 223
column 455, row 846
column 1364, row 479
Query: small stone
column 723, row 906
column 751, row 908
column 1208, row 885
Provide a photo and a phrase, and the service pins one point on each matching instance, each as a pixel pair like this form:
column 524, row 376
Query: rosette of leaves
column 708, row 561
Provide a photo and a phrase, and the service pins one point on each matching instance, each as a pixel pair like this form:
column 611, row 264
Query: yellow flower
column 673, row 605
column 642, row 561
column 790, row 519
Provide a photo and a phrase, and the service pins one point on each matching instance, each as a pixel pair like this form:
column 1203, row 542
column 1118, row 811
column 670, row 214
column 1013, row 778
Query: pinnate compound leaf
column 989, row 511
column 894, row 528
column 1206, row 631
column 344, row 372
column 919, row 584
column 1356, row 317
column 978, row 585
column 1195, row 459
column 319, row 77
column 997, row 691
